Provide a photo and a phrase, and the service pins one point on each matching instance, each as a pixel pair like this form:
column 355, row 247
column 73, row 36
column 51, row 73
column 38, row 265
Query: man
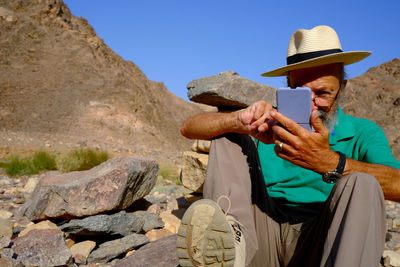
column 287, row 196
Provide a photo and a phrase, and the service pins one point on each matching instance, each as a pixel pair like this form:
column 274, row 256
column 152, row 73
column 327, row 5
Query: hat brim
column 343, row 57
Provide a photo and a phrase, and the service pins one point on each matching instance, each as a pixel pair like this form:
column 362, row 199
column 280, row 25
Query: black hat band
column 310, row 55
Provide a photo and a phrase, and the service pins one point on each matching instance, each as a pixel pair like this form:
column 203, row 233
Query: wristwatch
column 333, row 176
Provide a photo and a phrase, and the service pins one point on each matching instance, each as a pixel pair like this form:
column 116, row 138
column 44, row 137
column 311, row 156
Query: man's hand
column 306, row 149
column 256, row 121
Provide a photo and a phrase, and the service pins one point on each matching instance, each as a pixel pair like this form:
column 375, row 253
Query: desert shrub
column 82, row 159
column 170, row 173
column 19, row 166
column 44, row 161
column 76, row 160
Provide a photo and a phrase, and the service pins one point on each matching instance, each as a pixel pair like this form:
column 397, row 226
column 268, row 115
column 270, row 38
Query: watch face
column 331, row 177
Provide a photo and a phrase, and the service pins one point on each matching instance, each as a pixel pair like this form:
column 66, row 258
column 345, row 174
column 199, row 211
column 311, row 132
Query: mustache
column 329, row 120
column 323, row 114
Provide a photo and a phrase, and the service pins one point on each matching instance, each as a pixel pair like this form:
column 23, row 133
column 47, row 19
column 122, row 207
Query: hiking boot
column 209, row 237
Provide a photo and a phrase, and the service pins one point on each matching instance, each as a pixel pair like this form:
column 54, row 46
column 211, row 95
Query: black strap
column 342, row 163
column 305, row 56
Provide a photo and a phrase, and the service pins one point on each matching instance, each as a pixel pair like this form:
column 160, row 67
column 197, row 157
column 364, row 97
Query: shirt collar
column 344, row 129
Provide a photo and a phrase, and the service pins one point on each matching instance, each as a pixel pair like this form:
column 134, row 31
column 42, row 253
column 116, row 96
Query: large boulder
column 229, row 91
column 112, row 185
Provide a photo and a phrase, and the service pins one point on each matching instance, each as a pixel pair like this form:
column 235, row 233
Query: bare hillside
column 375, row 95
column 61, row 85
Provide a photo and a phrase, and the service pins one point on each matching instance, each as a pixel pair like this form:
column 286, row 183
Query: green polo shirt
column 359, row 139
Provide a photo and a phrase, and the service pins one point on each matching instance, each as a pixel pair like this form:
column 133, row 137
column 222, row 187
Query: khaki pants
column 347, row 230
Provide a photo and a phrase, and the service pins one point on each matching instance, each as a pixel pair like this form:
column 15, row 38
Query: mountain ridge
column 63, row 87
column 69, row 81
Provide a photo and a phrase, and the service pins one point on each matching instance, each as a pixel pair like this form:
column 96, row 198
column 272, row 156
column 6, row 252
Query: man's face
column 324, row 82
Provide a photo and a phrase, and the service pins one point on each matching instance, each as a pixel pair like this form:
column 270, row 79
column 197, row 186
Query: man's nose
column 314, row 105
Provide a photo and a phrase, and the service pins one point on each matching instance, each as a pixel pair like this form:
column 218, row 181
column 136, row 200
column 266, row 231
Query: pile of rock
column 391, row 255
column 96, row 217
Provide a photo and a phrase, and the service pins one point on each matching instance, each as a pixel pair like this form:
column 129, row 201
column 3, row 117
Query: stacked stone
column 97, row 216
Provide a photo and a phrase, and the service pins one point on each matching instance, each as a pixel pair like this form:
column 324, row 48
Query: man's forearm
column 252, row 120
column 208, row 125
column 388, row 177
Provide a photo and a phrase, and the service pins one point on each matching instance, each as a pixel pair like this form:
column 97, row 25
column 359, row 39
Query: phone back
column 295, row 104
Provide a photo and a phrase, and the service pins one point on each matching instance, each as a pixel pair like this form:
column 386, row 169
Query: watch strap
column 342, row 163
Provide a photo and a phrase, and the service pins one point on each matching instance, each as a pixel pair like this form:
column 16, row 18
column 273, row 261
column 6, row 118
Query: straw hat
column 315, row 47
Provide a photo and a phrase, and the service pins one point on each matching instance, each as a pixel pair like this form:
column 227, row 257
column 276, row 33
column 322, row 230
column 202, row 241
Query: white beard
column 329, row 121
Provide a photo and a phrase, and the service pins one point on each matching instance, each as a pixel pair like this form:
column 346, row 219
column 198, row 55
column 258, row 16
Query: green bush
column 82, row 159
column 76, row 160
column 44, row 161
column 17, row 166
column 170, row 173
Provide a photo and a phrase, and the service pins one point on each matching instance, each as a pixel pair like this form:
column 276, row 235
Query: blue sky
column 177, row 41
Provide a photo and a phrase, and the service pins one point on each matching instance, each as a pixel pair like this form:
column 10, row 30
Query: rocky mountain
column 375, row 95
column 60, row 85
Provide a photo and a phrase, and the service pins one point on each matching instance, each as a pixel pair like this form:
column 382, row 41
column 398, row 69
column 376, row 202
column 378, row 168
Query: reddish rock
column 115, row 184
column 42, row 248
column 154, row 208
column 160, row 253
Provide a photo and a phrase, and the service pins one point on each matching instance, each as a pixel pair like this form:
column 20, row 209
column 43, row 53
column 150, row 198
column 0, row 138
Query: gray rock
column 7, row 258
column 4, row 241
column 228, row 90
column 160, row 253
column 121, row 223
column 112, row 249
column 113, row 185
column 42, row 248
column 151, row 220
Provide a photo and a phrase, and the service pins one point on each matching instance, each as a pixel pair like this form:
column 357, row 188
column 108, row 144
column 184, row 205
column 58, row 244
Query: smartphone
column 295, row 103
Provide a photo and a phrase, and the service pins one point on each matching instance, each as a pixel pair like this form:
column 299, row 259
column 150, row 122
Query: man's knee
column 363, row 179
column 363, row 185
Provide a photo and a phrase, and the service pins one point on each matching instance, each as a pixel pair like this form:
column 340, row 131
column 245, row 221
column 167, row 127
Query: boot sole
column 204, row 237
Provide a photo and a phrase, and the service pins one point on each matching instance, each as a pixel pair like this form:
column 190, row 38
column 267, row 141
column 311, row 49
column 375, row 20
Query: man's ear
column 344, row 84
column 342, row 89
